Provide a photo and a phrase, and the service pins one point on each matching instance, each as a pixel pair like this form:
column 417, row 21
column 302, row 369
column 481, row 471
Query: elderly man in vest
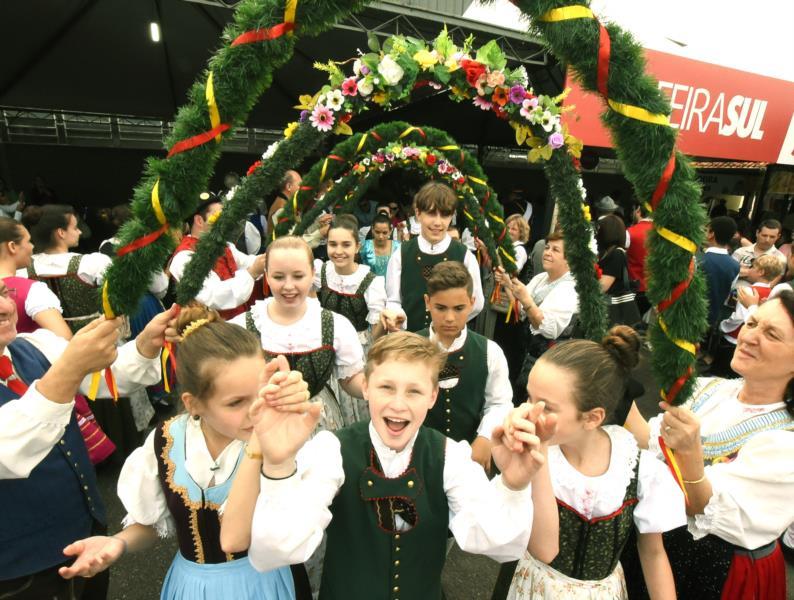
column 48, row 487
column 228, row 287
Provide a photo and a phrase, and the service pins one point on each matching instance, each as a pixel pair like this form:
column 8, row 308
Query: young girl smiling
column 604, row 485
column 353, row 291
column 178, row 481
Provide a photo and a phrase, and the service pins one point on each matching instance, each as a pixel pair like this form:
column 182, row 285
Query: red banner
column 719, row 112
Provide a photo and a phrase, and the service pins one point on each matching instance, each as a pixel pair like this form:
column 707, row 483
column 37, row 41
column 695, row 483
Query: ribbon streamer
column 671, row 394
column 664, row 182
column 566, row 13
column 678, row 240
column 672, row 464
column 639, row 114
column 683, row 344
column 215, row 116
column 197, row 140
column 604, row 52
column 411, row 130
column 361, row 142
column 261, row 35
column 678, row 290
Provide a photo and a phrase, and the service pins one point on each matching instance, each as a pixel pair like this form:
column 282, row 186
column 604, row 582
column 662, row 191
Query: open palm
column 93, row 555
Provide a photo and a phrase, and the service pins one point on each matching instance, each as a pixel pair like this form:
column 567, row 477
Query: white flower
column 390, row 70
column 357, row 68
column 365, row 86
column 270, row 150
column 334, row 100
column 547, row 121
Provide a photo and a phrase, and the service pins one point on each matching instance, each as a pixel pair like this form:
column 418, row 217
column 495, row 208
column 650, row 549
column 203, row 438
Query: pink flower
column 350, row 87
column 482, row 103
column 527, row 106
column 322, row 118
column 517, row 94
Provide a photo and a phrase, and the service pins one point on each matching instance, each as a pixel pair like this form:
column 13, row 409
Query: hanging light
column 154, row 31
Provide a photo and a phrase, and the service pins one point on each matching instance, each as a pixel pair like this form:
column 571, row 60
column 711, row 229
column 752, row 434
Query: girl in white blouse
column 604, row 485
column 733, row 440
column 37, row 306
column 353, row 291
column 178, row 481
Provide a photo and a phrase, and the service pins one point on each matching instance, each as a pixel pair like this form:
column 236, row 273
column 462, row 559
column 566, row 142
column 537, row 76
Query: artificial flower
column 290, row 129
column 482, row 82
column 520, row 74
column 380, row 98
column 350, row 87
column 556, row 140
column 357, row 67
column 253, row 168
column 586, row 213
column 517, row 94
column 390, row 70
column 426, row 59
column 322, row 118
column 495, row 78
column 304, row 115
column 271, row 149
column 500, row 96
column 434, row 85
column 451, row 64
column 334, row 100
column 527, row 106
column 598, row 271
column 547, row 121
column 365, row 86
column 430, row 159
column 473, row 70
column 500, row 113
column 482, row 103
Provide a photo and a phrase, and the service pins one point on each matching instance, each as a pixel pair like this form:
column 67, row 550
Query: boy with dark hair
column 434, row 205
column 721, row 270
column 475, row 393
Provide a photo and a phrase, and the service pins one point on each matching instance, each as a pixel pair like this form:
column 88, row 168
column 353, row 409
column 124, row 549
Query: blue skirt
column 237, row 579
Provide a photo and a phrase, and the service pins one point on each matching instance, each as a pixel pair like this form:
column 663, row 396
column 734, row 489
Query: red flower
column 431, row 159
column 473, row 70
column 500, row 113
column 350, row 87
column 598, row 271
column 253, row 168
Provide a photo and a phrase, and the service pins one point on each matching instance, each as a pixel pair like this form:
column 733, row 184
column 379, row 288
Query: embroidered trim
column 626, row 503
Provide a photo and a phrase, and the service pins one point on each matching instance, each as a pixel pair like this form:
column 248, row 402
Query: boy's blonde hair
column 408, row 347
column 769, row 266
column 436, row 197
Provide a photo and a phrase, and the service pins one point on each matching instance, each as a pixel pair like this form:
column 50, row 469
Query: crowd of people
column 340, row 422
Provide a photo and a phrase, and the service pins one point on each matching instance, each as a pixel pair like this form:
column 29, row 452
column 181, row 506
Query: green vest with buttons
column 458, row 410
column 367, row 557
column 416, row 267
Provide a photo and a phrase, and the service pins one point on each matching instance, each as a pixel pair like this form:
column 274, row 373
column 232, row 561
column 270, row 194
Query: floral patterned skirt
column 534, row 580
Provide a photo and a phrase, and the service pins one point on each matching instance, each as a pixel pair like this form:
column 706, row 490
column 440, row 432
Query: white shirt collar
column 715, row 250
column 392, row 462
column 457, row 343
column 438, row 248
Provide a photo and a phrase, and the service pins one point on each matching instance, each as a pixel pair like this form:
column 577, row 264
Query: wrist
column 145, row 348
column 278, row 471
column 124, row 545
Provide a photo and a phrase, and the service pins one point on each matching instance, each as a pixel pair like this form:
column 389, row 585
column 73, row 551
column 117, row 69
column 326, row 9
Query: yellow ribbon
column 683, row 344
column 295, row 201
column 109, row 314
column 408, row 131
column 507, row 255
column 496, row 218
column 361, row 142
column 156, row 206
column 478, row 180
column 648, row 206
column 509, row 311
column 640, row 114
column 445, row 148
column 678, row 240
column 467, row 215
column 565, row 13
column 164, row 365
column 322, row 173
column 289, row 12
column 93, row 390
column 215, row 117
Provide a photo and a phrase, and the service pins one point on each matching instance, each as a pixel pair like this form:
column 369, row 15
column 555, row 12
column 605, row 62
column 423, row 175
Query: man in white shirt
column 229, row 285
column 768, row 233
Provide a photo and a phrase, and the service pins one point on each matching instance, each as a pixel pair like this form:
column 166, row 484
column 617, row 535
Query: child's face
column 555, row 386
column 754, row 275
column 342, row 248
column 289, row 275
column 235, row 387
column 399, row 393
column 513, row 231
column 381, row 232
column 449, row 310
column 434, row 225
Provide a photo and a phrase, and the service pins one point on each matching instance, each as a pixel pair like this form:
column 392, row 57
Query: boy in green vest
column 386, row 492
column 408, row 269
column 475, row 394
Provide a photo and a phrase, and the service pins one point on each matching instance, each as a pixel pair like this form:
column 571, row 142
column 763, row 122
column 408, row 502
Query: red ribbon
column 335, row 157
column 111, row 382
column 142, row 241
column 487, row 196
column 677, row 385
column 664, row 182
column 604, row 51
column 376, row 136
column 678, row 290
column 198, row 140
column 253, row 168
column 261, row 35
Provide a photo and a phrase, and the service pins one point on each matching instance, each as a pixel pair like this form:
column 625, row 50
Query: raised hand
column 153, row 337
column 93, row 348
column 93, row 555
column 284, row 389
column 518, row 444
column 281, row 433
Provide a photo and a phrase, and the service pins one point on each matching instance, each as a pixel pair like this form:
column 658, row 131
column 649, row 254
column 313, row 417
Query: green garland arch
column 240, row 72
